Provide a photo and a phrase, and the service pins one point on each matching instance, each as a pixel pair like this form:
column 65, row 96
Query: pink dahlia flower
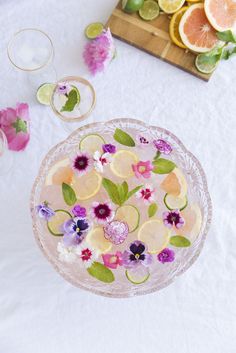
column 15, row 125
column 99, row 52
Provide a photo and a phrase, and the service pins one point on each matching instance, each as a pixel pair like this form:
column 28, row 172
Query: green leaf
column 163, row 166
column 101, row 272
column 157, row 155
column 71, row 101
column 123, row 138
column 123, row 191
column 125, row 188
column 152, row 210
column 112, row 191
column 227, row 53
column 68, row 194
column 179, row 241
column 227, row 36
column 212, row 57
column 20, row 125
column 132, row 192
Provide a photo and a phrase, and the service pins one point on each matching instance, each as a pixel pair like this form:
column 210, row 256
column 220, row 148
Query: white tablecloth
column 39, row 311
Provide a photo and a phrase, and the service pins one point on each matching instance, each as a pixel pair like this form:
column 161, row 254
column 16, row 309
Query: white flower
column 146, row 194
column 66, row 253
column 101, row 160
column 87, row 254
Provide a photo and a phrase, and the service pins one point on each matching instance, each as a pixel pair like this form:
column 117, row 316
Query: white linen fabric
column 39, row 310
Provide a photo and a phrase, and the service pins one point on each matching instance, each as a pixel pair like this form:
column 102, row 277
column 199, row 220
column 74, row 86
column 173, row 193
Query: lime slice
column 55, row 223
column 138, row 275
column 175, row 203
column 203, row 66
column 91, row 143
column 131, row 6
column 122, row 162
column 93, row 30
column 96, row 239
column 155, row 235
column 44, row 93
column 150, row 10
column 129, row 214
column 87, row 185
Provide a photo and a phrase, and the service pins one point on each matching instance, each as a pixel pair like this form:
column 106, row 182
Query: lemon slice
column 171, row 6
column 121, row 164
column 174, row 27
column 96, row 239
column 175, row 184
column 130, row 215
column 155, row 235
column 60, row 172
column 91, row 143
column 87, row 185
column 55, row 223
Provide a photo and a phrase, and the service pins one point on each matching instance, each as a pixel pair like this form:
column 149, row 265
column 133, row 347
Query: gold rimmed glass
column 83, row 107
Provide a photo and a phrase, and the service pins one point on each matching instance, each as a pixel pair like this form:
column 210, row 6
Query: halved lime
column 55, row 223
column 138, row 275
column 92, row 143
column 175, row 203
column 131, row 6
column 44, row 93
column 129, row 214
column 93, row 30
column 150, row 10
column 203, row 66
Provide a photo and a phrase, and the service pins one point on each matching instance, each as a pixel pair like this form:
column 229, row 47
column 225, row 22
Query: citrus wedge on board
column 174, row 27
column 175, row 184
column 171, row 6
column 221, row 14
column 91, row 143
column 87, row 185
column 129, row 214
column 155, row 235
column 122, row 162
column 196, row 31
column 60, row 172
column 55, row 223
column 96, row 239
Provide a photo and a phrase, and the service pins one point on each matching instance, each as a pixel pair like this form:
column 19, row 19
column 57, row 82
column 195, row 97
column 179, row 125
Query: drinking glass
column 6, row 158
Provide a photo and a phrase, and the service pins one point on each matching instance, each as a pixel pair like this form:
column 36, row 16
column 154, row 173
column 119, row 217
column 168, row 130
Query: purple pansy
column 109, row 148
column 75, row 230
column 63, row 88
column 79, row 211
column 162, row 146
column 173, row 219
column 44, row 211
column 136, row 255
column 166, row 255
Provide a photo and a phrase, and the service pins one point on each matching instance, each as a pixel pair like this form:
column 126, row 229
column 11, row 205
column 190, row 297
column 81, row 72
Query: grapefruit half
column 196, row 31
column 221, row 14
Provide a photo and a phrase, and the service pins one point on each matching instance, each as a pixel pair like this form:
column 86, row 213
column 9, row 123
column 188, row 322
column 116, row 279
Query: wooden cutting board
column 152, row 37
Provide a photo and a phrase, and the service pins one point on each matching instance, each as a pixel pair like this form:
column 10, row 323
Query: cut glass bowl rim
column 137, row 292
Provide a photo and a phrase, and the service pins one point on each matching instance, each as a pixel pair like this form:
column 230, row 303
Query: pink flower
column 112, row 260
column 101, row 160
column 142, row 169
column 102, row 213
column 99, row 52
column 15, row 125
column 82, row 163
column 146, row 194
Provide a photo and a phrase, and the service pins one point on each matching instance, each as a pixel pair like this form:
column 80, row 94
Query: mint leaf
column 179, row 241
column 101, row 272
column 20, row 125
column 227, row 53
column 68, row 194
column 152, row 210
column 163, row 166
column 123, row 191
column 123, row 138
column 112, row 191
column 227, row 36
column 71, row 101
column 132, row 192
column 125, row 187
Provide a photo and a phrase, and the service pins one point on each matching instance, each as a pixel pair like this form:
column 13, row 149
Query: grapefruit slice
column 60, row 173
column 221, row 14
column 193, row 221
column 175, row 184
column 196, row 31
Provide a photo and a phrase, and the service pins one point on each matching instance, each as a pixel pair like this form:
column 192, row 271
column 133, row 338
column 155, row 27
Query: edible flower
column 102, row 212
column 101, row 160
column 15, row 125
column 166, row 255
column 82, row 163
column 109, row 148
column 79, row 211
column 112, row 260
column 87, row 254
column 146, row 194
column 173, row 219
column 162, row 146
column 66, row 253
column 63, row 88
column 75, row 230
column 142, row 169
column 136, row 255
column 116, row 232
column 44, row 211
column 142, row 141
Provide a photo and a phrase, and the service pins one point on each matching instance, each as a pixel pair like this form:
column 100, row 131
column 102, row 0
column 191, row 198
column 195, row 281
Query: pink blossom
column 99, row 52
column 112, row 260
column 15, row 125
column 142, row 169
column 146, row 194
